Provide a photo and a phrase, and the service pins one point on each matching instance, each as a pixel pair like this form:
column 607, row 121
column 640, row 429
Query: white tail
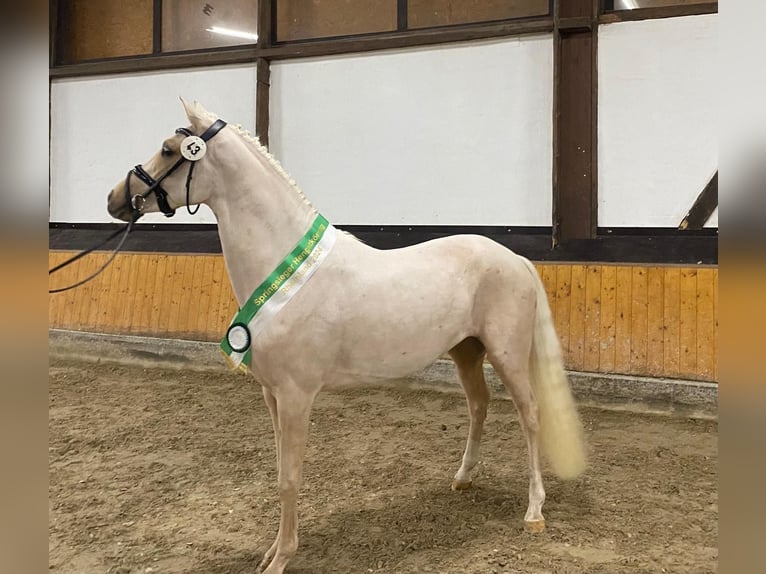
column 561, row 434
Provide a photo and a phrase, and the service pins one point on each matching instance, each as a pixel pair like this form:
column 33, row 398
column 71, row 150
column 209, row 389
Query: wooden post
column 263, row 71
column 575, row 149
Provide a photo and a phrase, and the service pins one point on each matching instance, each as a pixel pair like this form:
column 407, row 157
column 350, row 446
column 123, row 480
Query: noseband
column 192, row 149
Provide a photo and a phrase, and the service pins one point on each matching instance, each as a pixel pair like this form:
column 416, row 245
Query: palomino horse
column 350, row 313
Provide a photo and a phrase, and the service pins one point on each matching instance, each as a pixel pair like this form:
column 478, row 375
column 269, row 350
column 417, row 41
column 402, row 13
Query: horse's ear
column 198, row 116
column 191, row 110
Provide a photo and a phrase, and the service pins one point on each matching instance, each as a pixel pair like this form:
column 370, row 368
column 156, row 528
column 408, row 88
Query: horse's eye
column 166, row 151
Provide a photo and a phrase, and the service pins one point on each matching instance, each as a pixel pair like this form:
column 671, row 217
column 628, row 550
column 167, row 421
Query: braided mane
column 256, row 144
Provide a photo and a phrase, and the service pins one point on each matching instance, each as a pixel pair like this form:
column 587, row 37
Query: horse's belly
column 370, row 316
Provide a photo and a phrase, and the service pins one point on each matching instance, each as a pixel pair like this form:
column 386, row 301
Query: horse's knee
column 479, row 410
column 530, row 416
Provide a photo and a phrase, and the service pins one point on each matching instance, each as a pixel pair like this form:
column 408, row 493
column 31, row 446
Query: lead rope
column 127, row 229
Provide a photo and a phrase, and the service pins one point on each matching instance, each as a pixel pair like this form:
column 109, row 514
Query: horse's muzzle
column 115, row 205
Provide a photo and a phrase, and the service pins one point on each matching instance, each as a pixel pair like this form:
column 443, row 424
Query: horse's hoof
column 534, row 526
column 456, row 485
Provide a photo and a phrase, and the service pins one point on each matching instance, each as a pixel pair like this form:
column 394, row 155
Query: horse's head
column 164, row 182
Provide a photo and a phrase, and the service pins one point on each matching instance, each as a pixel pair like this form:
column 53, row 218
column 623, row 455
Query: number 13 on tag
column 193, row 148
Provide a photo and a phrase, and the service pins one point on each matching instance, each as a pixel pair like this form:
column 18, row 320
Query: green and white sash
column 275, row 291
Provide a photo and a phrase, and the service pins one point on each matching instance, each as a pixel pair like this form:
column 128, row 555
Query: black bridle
column 190, row 148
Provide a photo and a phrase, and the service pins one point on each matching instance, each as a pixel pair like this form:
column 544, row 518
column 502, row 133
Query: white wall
column 456, row 135
column 101, row 127
column 658, row 98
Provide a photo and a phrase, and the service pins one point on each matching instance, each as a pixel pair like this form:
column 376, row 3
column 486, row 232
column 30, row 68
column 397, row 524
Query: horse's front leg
column 293, row 410
column 271, row 402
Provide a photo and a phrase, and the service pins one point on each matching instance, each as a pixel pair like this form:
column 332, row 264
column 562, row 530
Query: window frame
column 267, row 47
column 611, row 16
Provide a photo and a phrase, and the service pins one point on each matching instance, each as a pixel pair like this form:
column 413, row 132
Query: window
column 429, row 13
column 612, row 5
column 97, row 29
column 94, row 29
column 304, row 19
column 197, row 24
column 89, row 31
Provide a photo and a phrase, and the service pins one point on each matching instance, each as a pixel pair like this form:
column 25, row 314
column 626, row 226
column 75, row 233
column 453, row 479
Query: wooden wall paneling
column 657, row 321
column 115, row 296
column 138, row 288
column 179, row 317
column 562, row 305
column 706, row 344
column 639, row 320
column 202, row 325
column 715, row 323
column 66, row 298
column 592, row 318
column 227, row 301
column 119, row 296
column 193, row 308
column 90, row 290
column 98, row 294
column 607, row 325
column 548, row 275
column 577, row 319
column 70, row 298
column 54, row 282
column 168, row 288
column 130, row 301
column 180, row 325
column 655, row 352
column 53, row 260
column 207, row 320
column 143, row 295
column 688, row 323
column 107, row 295
column 671, row 318
column 156, row 278
column 214, row 315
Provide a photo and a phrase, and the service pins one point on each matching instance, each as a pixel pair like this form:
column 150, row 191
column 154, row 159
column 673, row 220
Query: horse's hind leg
column 511, row 363
column 469, row 357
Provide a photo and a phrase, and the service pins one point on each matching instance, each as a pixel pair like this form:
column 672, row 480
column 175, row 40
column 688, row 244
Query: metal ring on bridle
column 138, row 202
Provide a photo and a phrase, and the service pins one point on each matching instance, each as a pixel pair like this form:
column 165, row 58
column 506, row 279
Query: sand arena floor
column 166, row 471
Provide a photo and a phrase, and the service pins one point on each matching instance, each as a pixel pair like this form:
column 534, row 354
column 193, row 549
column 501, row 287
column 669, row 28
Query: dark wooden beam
column 263, row 85
column 574, row 123
column 409, row 38
column 157, row 28
column 265, row 26
column 401, row 15
column 703, row 207
column 154, row 63
column 266, row 12
column 652, row 246
column 53, row 32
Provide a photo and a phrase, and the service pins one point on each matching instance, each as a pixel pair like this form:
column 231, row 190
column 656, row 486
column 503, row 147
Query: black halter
column 135, row 203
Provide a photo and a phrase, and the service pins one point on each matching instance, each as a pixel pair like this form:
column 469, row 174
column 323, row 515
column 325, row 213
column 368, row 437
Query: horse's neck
column 260, row 219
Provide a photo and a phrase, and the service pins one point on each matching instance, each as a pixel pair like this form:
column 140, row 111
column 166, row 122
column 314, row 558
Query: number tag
column 193, row 148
